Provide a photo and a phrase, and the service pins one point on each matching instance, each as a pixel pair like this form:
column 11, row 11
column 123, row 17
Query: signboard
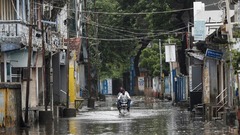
column 199, row 30
column 141, row 83
column 170, row 53
column 214, row 54
column 198, row 8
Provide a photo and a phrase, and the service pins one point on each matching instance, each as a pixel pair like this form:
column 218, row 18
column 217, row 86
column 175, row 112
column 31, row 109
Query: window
column 9, row 72
column 16, row 74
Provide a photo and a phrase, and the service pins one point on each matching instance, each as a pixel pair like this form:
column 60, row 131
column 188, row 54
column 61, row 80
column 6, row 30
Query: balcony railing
column 222, row 101
column 16, row 31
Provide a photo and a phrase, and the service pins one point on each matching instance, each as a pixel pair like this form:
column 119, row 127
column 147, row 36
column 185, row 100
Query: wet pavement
column 148, row 116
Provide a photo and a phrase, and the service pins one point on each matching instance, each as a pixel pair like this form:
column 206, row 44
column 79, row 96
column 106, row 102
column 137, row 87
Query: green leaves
column 124, row 28
column 150, row 60
column 235, row 60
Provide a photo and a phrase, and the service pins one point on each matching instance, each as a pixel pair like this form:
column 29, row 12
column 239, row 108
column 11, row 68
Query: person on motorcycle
column 122, row 96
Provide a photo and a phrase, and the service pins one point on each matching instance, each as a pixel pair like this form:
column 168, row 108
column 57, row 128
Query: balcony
column 16, row 31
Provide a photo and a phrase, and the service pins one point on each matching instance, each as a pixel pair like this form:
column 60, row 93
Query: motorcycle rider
column 121, row 96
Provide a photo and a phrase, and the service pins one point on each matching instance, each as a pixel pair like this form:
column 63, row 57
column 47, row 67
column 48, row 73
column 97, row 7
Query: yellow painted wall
column 72, row 95
column 72, row 91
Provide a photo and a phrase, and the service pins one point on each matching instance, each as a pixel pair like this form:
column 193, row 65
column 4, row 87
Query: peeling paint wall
column 206, row 86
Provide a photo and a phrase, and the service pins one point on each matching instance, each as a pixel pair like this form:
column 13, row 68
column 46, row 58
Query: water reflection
column 152, row 118
column 140, row 122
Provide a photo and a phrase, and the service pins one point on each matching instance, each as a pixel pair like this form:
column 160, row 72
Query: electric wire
column 131, row 38
column 113, row 28
column 127, row 37
column 122, row 30
column 136, row 38
column 130, row 13
column 117, row 33
column 138, row 29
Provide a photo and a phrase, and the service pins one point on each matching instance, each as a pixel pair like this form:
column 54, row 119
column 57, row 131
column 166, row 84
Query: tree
column 115, row 55
column 147, row 20
column 150, row 60
column 147, row 24
column 235, row 60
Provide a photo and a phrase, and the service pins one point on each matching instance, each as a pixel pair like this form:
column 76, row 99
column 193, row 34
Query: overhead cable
column 131, row 13
column 122, row 30
column 135, row 38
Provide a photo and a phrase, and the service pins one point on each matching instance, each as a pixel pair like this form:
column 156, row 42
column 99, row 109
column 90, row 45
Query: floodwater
column 147, row 117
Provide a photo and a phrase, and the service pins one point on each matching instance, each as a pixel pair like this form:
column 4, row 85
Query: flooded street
column 145, row 118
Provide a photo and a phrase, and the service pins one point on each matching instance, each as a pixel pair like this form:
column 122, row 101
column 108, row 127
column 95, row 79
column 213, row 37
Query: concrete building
column 211, row 44
column 14, row 41
column 49, row 68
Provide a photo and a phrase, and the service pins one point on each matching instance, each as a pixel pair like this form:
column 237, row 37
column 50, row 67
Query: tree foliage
column 143, row 27
column 150, row 60
column 236, row 60
column 114, row 55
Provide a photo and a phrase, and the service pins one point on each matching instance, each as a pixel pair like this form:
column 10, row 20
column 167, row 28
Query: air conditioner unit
column 62, row 58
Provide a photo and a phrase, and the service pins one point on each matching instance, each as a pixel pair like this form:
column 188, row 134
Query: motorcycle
column 123, row 107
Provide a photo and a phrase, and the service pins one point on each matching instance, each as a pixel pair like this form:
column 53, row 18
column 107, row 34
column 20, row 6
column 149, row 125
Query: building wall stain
column 9, row 121
column 2, row 108
column 10, row 105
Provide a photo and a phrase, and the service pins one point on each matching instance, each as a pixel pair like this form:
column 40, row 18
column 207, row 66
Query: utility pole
column 67, row 62
column 91, row 99
column 97, row 51
column 88, row 51
column 160, row 53
column 229, row 25
column 171, row 74
column 43, row 61
column 188, row 36
column 230, row 37
column 29, row 61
